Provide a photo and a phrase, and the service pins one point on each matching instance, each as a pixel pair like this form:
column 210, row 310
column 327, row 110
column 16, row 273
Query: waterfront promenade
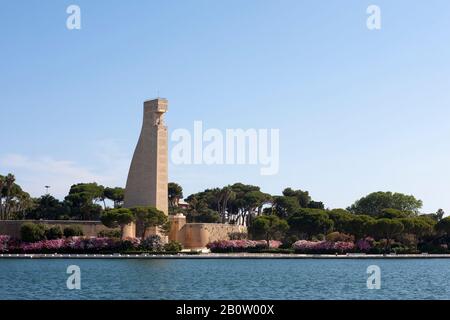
column 207, row 256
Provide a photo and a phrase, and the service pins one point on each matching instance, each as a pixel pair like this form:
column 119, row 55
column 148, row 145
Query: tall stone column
column 148, row 176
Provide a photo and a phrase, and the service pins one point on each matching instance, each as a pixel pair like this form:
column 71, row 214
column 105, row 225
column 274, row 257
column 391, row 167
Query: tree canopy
column 83, row 198
column 374, row 203
column 116, row 195
column 238, row 203
column 48, row 207
column 117, row 218
column 443, row 226
column 147, row 217
column 175, row 192
column 14, row 202
column 268, row 228
column 310, row 222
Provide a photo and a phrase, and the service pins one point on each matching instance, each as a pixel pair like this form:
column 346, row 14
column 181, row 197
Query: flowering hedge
column 364, row 245
column 69, row 245
column 153, row 243
column 4, row 240
column 241, row 245
column 108, row 245
column 303, row 246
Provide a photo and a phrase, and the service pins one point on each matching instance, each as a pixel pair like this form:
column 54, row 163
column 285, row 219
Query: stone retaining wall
column 198, row 235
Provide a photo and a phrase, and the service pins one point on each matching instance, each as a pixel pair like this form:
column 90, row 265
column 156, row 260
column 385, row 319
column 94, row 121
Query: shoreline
column 212, row 256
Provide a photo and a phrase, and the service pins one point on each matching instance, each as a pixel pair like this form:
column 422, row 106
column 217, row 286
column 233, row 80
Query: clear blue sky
column 358, row 110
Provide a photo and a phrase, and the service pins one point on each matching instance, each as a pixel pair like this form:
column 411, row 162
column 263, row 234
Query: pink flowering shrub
column 44, row 245
column 4, row 241
column 130, row 244
column 71, row 245
column 364, row 245
column 81, row 244
column 231, row 245
column 241, row 245
column 274, row 244
column 303, row 246
column 76, row 245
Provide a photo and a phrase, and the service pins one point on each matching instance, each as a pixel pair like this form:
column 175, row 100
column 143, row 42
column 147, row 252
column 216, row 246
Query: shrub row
column 34, row 232
column 303, row 246
column 87, row 245
column 367, row 245
column 241, row 245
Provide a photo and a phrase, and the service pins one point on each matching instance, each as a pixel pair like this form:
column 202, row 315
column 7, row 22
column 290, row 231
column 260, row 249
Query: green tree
column 418, row 226
column 443, row 226
column 205, row 216
column 374, row 203
column 316, row 205
column 175, row 192
column 341, row 219
column 147, row 217
column 284, row 206
column 345, row 222
column 310, row 222
column 202, row 204
column 247, row 203
column 197, row 206
column 292, row 200
column 48, row 207
column 173, row 246
column 238, row 203
column 225, row 195
column 268, row 228
column 254, row 202
column 116, row 195
column 387, row 229
column 440, row 214
column 359, row 225
column 73, row 231
column 117, row 218
column 302, row 197
column 14, row 202
column 394, row 214
column 82, row 200
column 53, row 233
column 436, row 217
column 32, row 232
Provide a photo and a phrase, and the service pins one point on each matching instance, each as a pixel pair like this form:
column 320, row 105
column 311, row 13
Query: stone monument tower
column 148, row 176
column 148, row 181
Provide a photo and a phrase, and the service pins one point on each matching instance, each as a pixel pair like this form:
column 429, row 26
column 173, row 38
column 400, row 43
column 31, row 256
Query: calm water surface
column 225, row 279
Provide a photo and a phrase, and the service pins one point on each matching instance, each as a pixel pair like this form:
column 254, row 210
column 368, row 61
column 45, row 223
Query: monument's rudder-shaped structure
column 148, row 176
column 147, row 185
